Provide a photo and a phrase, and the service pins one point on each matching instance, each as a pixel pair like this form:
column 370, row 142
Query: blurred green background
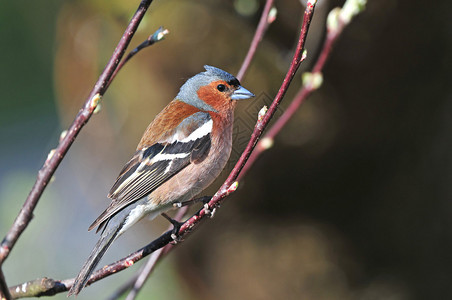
column 352, row 202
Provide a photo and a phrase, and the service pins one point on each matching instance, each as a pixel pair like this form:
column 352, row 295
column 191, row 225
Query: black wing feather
column 200, row 149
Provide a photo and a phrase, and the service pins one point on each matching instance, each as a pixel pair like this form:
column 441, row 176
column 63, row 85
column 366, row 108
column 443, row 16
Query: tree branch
column 56, row 156
column 4, row 292
column 264, row 21
column 39, row 287
column 157, row 36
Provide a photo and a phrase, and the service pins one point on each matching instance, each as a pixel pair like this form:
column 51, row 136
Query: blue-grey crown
column 220, row 74
column 188, row 92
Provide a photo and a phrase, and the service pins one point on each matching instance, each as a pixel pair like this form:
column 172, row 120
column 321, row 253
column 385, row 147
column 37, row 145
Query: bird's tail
column 107, row 237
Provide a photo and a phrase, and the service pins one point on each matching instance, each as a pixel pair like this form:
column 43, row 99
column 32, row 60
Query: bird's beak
column 241, row 93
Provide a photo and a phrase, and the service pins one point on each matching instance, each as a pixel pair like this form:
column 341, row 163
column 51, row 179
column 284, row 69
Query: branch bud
column 94, row 101
column 159, row 34
column 332, row 22
column 272, row 15
column 63, row 135
column 340, row 16
column 266, row 143
column 351, row 8
column 98, row 108
column 304, row 55
column 50, row 155
column 233, row 187
column 262, row 113
column 312, row 80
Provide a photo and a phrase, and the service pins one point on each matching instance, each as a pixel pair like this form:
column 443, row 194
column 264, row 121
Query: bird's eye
column 221, row 87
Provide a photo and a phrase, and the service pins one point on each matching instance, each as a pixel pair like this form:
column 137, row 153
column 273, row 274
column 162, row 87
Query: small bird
column 181, row 153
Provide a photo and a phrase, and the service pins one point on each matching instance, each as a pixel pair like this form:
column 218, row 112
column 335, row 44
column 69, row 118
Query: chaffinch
column 180, row 154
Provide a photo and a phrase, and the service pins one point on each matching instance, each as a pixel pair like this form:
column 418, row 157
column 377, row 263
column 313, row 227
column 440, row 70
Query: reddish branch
column 261, row 28
column 151, row 40
column 4, row 292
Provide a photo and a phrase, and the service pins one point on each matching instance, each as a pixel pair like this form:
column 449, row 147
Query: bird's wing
column 151, row 166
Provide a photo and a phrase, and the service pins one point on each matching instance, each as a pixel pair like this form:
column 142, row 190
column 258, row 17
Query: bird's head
column 213, row 90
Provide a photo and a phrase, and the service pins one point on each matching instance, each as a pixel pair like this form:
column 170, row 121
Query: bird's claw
column 174, row 238
column 176, row 227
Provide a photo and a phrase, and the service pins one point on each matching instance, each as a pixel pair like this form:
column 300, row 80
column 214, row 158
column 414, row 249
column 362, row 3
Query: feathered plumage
column 181, row 153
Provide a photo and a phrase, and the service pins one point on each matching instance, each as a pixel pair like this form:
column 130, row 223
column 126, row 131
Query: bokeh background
column 352, row 202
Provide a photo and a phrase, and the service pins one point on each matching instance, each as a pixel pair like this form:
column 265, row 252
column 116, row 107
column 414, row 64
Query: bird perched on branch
column 180, row 154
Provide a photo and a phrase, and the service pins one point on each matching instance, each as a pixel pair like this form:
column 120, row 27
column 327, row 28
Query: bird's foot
column 204, row 200
column 176, row 227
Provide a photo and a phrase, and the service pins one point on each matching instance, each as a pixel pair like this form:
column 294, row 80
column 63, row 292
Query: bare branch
column 260, row 31
column 37, row 288
column 4, row 292
column 157, row 36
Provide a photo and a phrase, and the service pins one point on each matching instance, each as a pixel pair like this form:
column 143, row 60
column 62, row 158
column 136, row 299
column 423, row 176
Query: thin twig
column 55, row 156
column 264, row 21
column 39, row 287
column 4, row 291
column 157, row 36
